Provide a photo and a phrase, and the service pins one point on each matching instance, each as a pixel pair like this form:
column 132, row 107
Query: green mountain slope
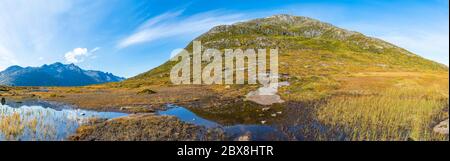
column 307, row 47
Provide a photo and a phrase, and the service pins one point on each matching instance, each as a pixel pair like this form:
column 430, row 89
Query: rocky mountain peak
column 56, row 74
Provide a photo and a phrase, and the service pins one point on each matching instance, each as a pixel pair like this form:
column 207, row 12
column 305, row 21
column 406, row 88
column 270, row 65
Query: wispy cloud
column 172, row 24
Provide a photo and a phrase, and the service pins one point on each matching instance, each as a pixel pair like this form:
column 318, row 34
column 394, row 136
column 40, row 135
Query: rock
column 265, row 109
column 265, row 100
column 441, row 128
column 263, row 122
column 274, row 115
column 264, row 96
column 279, row 112
column 245, row 137
column 282, row 84
column 3, row 101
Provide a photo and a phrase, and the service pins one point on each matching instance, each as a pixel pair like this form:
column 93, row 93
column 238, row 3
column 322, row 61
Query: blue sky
column 128, row 37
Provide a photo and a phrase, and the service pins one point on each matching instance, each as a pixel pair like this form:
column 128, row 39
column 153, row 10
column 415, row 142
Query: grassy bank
column 394, row 114
column 145, row 127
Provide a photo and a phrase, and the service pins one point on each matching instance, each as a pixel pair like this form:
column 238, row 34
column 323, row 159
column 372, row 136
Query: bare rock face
column 264, row 96
column 441, row 128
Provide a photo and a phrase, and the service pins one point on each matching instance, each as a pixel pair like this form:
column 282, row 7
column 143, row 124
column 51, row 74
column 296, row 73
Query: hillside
column 56, row 74
column 313, row 53
column 361, row 88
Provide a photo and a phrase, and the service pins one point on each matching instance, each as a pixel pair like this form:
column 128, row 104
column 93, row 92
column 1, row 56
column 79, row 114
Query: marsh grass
column 394, row 114
column 35, row 123
column 11, row 126
column 17, row 124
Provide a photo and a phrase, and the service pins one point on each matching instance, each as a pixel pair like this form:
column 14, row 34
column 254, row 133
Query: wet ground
column 42, row 120
column 290, row 122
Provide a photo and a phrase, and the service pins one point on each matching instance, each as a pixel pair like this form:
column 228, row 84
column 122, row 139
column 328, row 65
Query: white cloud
column 172, row 24
column 78, row 55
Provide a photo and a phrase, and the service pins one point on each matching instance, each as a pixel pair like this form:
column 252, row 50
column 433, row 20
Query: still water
column 44, row 121
column 253, row 132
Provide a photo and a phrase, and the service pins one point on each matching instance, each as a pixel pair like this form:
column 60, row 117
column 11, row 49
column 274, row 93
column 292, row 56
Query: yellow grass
column 393, row 114
column 11, row 126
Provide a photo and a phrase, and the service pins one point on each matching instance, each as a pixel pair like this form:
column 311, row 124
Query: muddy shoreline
column 238, row 119
column 275, row 120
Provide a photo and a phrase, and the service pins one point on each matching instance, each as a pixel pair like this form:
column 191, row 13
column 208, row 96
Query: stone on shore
column 264, row 96
column 441, row 128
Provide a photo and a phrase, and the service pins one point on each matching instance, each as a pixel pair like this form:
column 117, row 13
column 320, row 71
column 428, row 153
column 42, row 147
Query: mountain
column 308, row 48
column 358, row 87
column 56, row 74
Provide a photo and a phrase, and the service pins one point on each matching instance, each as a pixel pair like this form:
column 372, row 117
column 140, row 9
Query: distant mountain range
column 56, row 74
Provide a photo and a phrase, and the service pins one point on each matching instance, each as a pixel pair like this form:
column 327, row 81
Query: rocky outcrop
column 441, row 128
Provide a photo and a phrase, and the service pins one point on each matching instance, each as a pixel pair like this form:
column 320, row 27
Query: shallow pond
column 234, row 132
column 43, row 121
column 51, row 121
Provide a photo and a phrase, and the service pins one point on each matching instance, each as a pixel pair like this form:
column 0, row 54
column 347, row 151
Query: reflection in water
column 34, row 121
column 30, row 123
column 252, row 132
column 187, row 116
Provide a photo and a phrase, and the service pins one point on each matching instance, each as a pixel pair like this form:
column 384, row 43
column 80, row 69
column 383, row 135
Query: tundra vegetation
column 355, row 87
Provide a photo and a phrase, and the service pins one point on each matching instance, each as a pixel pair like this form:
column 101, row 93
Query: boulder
column 265, row 100
column 246, row 137
column 264, row 96
column 441, row 128
column 285, row 83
